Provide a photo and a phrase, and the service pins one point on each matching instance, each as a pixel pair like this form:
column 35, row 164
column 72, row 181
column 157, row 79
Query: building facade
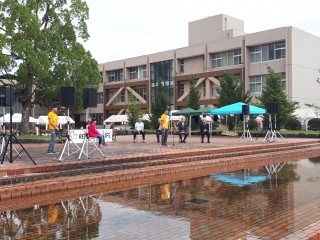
column 216, row 44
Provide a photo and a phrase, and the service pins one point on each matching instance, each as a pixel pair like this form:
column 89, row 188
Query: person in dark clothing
column 158, row 130
column 204, row 130
column 183, row 130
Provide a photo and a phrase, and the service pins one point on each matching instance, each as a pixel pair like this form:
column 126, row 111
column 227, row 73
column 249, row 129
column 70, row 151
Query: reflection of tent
column 239, row 181
column 236, row 108
column 16, row 118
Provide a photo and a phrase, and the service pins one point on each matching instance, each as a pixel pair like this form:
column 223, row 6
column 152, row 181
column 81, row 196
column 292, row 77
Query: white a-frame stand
column 246, row 132
column 272, row 135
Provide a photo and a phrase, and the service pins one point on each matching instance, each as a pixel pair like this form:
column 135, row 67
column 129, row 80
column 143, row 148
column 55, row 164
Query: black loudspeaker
column 273, row 107
column 89, row 97
column 245, row 109
column 6, row 96
column 215, row 118
column 68, row 96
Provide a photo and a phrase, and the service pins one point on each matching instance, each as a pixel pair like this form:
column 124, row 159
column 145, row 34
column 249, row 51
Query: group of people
column 53, row 128
column 162, row 129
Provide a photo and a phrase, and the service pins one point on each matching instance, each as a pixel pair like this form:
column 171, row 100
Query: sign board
column 78, row 135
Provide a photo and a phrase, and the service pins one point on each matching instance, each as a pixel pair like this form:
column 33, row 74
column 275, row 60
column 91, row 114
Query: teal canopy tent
column 185, row 111
column 203, row 111
column 236, row 108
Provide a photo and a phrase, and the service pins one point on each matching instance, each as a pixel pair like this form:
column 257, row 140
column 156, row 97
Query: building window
column 216, row 60
column 255, row 83
column 133, row 73
column 141, row 91
column 267, row 52
column 181, row 89
column 228, row 58
column 181, row 65
column 144, row 71
column 283, row 81
column 204, row 88
column 115, row 75
column 98, row 117
column 100, row 97
column 214, row 90
column 110, row 94
column 121, row 97
column 101, row 75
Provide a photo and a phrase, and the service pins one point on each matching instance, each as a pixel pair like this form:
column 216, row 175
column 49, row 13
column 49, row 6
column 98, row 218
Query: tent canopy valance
column 203, row 110
column 185, row 111
column 236, row 108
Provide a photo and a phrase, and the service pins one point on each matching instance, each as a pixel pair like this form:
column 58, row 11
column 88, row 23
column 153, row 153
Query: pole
column 11, row 113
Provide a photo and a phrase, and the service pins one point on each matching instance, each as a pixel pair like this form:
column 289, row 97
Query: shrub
column 252, row 124
column 293, row 124
column 314, row 124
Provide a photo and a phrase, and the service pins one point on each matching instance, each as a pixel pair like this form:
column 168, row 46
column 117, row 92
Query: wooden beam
column 114, row 96
column 137, row 95
column 180, row 99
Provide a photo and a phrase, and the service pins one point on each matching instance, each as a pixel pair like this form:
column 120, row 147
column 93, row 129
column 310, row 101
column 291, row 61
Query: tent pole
column 189, row 125
column 235, row 124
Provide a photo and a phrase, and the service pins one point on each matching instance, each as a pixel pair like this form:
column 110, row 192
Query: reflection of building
column 216, row 44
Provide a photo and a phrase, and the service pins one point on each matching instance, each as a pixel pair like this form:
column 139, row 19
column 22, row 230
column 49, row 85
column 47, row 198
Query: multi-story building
column 216, row 44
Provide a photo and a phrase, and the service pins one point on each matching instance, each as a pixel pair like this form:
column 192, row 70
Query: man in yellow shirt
column 53, row 127
column 165, row 121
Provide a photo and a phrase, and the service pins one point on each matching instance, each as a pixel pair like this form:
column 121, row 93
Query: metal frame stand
column 9, row 141
column 272, row 134
column 246, row 132
column 66, row 146
column 172, row 132
column 85, row 146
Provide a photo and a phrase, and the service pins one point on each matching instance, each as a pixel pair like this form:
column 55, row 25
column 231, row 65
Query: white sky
column 128, row 28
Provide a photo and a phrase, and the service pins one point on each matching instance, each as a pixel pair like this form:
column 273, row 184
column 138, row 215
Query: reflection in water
column 265, row 203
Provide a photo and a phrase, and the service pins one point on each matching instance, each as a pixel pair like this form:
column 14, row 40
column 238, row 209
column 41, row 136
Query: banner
column 78, row 135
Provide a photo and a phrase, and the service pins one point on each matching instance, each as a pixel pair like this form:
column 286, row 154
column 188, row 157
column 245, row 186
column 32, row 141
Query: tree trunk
column 26, row 102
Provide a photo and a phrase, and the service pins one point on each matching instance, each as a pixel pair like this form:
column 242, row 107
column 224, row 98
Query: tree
column 39, row 42
column 231, row 90
column 134, row 110
column 160, row 104
column 273, row 92
column 194, row 95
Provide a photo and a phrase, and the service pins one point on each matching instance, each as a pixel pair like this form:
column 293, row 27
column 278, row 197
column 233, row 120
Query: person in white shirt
column 139, row 129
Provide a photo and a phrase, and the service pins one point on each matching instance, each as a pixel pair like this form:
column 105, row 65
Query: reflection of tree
column 78, row 218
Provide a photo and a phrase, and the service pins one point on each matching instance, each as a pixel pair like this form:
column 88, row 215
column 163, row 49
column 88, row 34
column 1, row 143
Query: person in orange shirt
column 165, row 127
column 53, row 127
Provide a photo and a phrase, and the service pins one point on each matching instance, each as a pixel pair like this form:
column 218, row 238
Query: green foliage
column 293, row 124
column 42, row 49
column 253, row 124
column 273, row 92
column 231, row 90
column 314, row 124
column 134, row 110
column 194, row 95
column 160, row 104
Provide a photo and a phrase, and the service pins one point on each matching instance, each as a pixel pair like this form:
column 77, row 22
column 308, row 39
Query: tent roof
column 203, row 110
column 16, row 118
column 236, row 108
column 185, row 111
column 43, row 120
column 117, row 118
column 304, row 113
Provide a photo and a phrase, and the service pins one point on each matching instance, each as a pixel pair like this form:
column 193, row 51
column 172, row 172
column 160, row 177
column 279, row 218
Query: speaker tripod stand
column 66, row 150
column 85, row 146
column 246, row 132
column 272, row 135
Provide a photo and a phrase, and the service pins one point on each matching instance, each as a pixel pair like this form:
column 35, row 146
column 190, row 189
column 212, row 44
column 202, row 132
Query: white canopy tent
column 43, row 120
column 16, row 118
column 304, row 115
column 123, row 118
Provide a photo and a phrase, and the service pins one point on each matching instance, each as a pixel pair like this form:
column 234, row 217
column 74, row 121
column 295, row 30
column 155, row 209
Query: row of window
column 256, row 83
column 213, row 88
column 139, row 72
column 257, row 53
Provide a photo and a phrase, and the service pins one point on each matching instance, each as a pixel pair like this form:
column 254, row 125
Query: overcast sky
column 128, row 28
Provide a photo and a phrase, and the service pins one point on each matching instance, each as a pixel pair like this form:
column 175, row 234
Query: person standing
column 139, row 129
column 165, row 127
column 204, row 130
column 53, row 128
column 94, row 133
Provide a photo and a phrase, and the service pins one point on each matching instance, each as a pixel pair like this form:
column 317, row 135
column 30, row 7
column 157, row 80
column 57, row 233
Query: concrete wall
column 305, row 65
